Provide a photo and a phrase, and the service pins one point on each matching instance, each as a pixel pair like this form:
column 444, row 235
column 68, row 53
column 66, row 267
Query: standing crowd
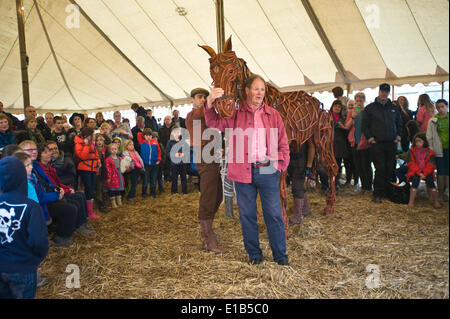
column 55, row 170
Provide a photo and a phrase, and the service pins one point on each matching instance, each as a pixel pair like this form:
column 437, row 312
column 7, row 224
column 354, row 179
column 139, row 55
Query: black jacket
column 141, row 112
column 135, row 130
column 340, row 144
column 151, row 123
column 382, row 122
column 182, row 122
column 164, row 134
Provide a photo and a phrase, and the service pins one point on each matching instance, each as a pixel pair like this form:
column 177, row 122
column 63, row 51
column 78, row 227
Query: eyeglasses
column 30, row 149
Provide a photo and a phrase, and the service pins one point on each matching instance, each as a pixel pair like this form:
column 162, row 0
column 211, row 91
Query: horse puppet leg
column 283, row 200
column 326, row 155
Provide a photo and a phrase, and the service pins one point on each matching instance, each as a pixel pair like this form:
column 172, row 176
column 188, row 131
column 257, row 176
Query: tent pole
column 326, row 42
column 23, row 55
column 220, row 25
column 442, row 90
column 393, row 92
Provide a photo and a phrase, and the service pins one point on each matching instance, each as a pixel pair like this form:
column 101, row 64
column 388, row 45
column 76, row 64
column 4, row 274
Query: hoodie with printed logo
column 23, row 231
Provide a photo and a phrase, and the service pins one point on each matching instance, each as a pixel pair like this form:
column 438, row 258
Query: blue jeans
column 17, row 286
column 151, row 175
column 268, row 186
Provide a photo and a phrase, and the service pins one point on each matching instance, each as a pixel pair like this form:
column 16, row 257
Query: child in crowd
column 151, row 156
column 59, row 135
column 134, row 170
column 421, row 166
column 118, row 141
column 178, row 160
column 105, row 131
column 28, row 163
column 23, row 240
column 425, row 112
column 438, row 136
column 114, row 183
column 155, row 136
column 88, row 165
column 99, row 194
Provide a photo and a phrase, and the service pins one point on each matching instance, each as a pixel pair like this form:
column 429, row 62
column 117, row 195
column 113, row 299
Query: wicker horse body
column 302, row 116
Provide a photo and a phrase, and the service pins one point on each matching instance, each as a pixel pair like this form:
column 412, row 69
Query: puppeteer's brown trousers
column 211, row 193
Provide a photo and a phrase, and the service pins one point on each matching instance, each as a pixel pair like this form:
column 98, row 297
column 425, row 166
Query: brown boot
column 412, row 197
column 297, row 217
column 435, row 195
column 210, row 242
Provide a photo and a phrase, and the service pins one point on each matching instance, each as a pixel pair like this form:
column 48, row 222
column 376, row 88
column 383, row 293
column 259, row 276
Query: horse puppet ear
column 209, row 50
column 228, row 46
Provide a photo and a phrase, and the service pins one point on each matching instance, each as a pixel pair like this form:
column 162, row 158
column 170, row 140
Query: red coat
column 413, row 164
column 112, row 174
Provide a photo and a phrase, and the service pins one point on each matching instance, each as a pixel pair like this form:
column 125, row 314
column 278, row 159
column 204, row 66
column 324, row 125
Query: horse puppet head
column 229, row 73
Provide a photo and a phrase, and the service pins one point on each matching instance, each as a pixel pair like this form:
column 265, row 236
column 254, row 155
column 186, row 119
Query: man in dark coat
column 177, row 120
column 382, row 126
column 150, row 121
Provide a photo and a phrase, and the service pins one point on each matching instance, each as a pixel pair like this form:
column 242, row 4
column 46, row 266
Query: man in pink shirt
column 258, row 153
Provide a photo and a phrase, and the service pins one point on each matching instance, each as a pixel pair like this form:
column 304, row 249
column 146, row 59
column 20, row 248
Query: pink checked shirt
column 276, row 146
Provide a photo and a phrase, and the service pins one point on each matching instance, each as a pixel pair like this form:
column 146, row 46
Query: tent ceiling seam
column 90, row 95
column 115, row 47
column 34, row 76
column 87, row 49
column 94, row 80
column 326, row 42
column 89, row 77
column 371, row 36
column 53, row 95
column 143, row 48
column 54, row 54
column 421, row 34
column 279, row 37
column 173, row 46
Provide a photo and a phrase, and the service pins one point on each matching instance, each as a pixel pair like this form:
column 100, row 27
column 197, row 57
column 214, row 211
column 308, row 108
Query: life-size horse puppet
column 302, row 115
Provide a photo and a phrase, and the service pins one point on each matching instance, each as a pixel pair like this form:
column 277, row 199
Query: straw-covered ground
column 152, row 249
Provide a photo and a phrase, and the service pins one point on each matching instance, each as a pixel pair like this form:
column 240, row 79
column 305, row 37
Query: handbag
column 399, row 193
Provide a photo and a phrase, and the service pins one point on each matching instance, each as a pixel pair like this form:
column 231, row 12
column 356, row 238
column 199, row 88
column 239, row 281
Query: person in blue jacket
column 23, row 233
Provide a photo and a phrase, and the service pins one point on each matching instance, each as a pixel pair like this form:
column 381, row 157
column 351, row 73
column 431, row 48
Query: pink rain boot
column 90, row 208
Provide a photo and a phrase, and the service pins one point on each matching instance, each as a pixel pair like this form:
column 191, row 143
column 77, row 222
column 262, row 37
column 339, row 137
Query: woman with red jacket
column 421, row 166
column 86, row 155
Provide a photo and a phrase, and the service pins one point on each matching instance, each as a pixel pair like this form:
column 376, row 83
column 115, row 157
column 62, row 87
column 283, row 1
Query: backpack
column 399, row 193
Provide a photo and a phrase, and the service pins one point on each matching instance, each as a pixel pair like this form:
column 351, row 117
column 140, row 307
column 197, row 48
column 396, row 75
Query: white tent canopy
column 145, row 51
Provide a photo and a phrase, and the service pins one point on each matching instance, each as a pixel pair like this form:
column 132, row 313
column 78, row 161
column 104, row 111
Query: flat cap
column 199, row 91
